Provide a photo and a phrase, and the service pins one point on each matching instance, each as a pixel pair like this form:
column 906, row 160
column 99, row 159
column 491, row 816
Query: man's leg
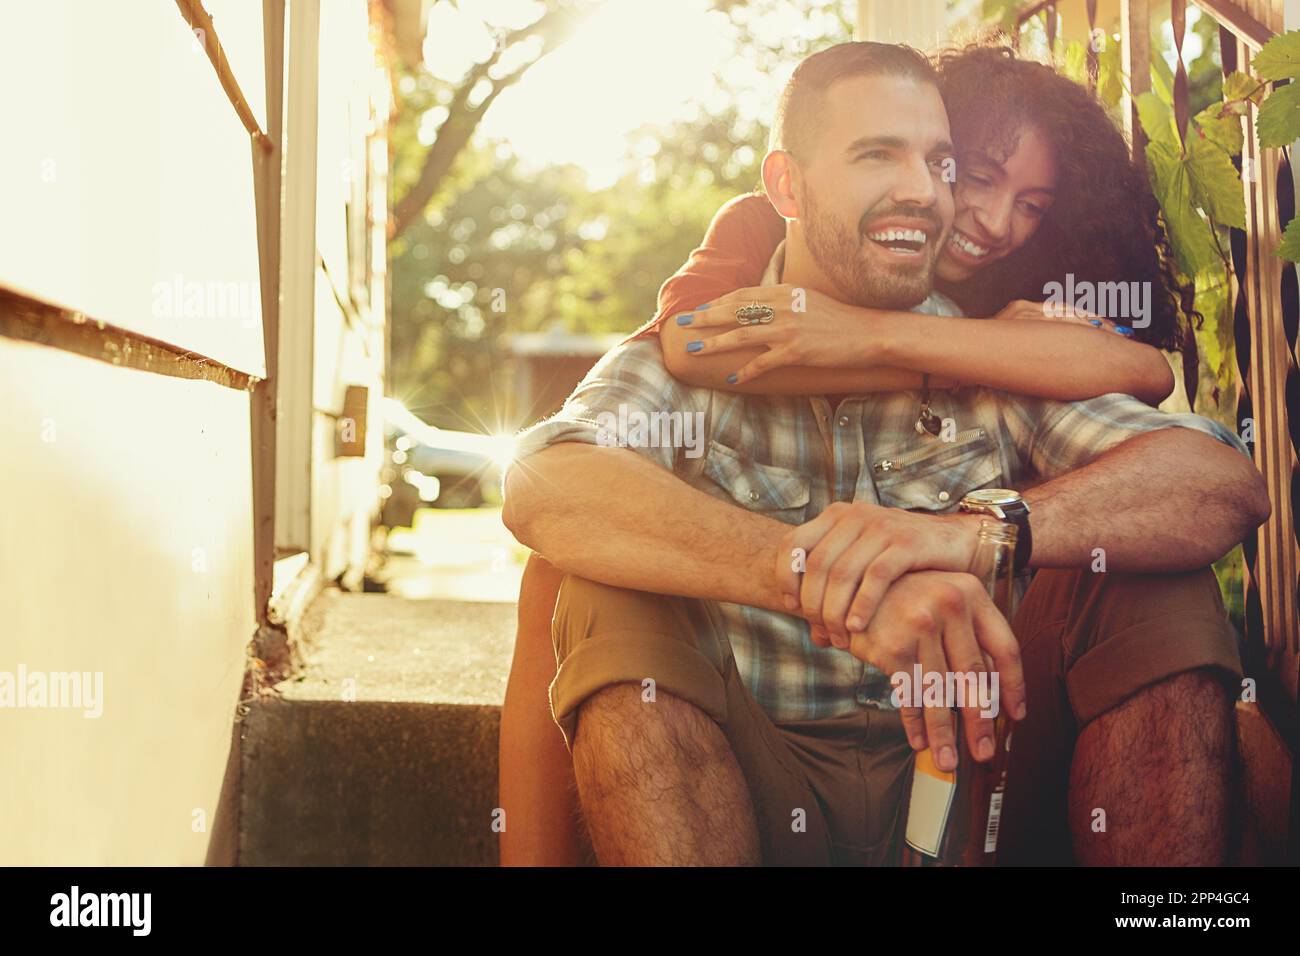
column 668, row 794
column 675, row 761
column 1128, row 753
column 1161, row 765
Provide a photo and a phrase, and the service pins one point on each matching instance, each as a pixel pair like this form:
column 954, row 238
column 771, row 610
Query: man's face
column 875, row 203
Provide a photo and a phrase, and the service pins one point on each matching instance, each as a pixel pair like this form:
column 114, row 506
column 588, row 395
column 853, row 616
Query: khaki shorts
column 834, row 791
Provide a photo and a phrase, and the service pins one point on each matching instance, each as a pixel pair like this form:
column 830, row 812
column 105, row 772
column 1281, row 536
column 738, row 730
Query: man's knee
column 631, row 719
column 626, row 739
column 1181, row 715
column 1122, row 633
column 651, row 647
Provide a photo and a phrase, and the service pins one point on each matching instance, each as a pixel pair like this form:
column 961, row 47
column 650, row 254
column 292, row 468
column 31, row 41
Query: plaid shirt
column 789, row 457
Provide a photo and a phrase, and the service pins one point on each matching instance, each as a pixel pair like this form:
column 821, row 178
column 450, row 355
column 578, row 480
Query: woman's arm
column 735, row 253
column 833, row 347
column 1047, row 359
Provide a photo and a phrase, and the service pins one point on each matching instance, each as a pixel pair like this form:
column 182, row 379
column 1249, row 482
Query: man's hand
column 852, row 553
column 947, row 623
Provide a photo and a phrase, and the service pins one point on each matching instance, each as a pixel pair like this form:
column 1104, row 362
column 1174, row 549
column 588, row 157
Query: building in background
column 192, row 355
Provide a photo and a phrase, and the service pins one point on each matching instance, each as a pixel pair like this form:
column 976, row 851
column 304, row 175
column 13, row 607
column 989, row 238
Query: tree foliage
column 501, row 247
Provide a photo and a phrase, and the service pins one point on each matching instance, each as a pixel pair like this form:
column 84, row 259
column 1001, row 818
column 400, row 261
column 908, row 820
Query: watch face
column 992, row 496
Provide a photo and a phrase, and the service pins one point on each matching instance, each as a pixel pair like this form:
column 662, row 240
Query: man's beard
column 839, row 253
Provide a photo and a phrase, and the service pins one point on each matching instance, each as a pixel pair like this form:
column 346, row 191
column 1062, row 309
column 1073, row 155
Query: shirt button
column 944, row 496
column 754, row 496
column 844, row 421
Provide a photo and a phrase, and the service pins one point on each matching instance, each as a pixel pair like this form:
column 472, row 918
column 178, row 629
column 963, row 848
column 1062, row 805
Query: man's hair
column 798, row 113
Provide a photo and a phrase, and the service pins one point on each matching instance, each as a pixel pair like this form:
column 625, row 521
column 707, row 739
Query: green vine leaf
column 1110, row 75
column 1280, row 57
column 1190, row 235
column 1238, row 88
column 1162, row 80
column 1216, row 186
column 1279, row 117
column 1221, row 125
column 1157, row 119
column 1289, row 247
column 1074, row 63
column 1213, row 301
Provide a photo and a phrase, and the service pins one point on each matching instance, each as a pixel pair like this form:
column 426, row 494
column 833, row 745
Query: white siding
column 126, row 173
column 124, row 548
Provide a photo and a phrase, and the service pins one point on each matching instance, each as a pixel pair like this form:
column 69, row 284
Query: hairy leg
column 537, row 788
column 660, row 785
column 1162, row 766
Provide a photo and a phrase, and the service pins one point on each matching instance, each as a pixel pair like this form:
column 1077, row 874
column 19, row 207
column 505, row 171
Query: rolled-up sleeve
column 1053, row 438
column 629, row 383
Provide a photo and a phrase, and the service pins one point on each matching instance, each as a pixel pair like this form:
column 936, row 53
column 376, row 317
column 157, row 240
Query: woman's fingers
column 747, row 337
column 722, row 311
column 771, row 359
column 718, row 315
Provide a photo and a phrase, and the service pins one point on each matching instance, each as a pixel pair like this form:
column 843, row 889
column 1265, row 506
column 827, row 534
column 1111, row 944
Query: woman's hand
column 808, row 329
column 1022, row 309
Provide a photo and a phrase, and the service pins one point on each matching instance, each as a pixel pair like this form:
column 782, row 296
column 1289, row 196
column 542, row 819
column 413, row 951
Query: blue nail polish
column 704, row 306
column 1123, row 330
column 694, row 346
column 1096, row 322
column 731, row 379
column 685, row 318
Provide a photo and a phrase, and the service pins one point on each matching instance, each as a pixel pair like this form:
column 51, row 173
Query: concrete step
column 382, row 750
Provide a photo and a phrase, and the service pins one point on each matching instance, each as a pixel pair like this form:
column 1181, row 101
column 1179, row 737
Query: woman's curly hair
column 1103, row 225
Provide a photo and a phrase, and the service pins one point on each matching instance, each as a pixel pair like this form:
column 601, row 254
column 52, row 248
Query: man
column 708, row 724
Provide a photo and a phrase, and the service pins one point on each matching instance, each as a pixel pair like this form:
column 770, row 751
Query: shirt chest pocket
column 780, row 493
column 935, row 476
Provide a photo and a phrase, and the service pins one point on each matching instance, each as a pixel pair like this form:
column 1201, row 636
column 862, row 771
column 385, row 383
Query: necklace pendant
column 929, row 423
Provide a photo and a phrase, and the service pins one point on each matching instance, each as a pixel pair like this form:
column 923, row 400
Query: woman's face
column 998, row 205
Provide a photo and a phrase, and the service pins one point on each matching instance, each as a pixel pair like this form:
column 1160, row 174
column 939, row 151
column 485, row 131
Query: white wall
column 126, row 174
column 125, row 532
column 126, row 524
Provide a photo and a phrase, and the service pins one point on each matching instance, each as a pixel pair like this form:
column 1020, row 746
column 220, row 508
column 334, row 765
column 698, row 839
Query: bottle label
column 995, row 817
column 933, row 791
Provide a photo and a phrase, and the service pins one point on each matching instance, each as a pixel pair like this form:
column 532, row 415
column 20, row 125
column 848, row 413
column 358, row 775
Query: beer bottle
column 953, row 817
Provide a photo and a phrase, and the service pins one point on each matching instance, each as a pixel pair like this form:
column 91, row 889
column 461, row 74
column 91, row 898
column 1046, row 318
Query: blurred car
column 428, row 467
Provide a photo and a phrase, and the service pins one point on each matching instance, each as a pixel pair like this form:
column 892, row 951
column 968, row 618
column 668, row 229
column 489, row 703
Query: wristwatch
column 1005, row 505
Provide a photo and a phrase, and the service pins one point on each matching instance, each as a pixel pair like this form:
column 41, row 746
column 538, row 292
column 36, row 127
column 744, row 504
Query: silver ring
column 755, row 314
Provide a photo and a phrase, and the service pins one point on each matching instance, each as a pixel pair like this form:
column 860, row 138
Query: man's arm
column 612, row 515
column 1172, row 499
column 1157, row 491
column 1167, row 500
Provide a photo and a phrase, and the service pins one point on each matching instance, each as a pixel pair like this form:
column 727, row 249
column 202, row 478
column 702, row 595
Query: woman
column 1037, row 158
